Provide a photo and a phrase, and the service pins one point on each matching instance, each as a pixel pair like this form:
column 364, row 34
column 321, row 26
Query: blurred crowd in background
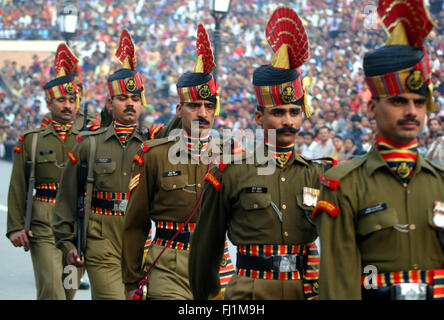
column 164, row 31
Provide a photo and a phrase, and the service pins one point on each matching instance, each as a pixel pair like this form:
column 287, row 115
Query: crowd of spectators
column 164, row 31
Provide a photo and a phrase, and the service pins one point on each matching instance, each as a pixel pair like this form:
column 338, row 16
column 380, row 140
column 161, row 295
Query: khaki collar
column 294, row 159
column 375, row 161
column 110, row 132
column 51, row 130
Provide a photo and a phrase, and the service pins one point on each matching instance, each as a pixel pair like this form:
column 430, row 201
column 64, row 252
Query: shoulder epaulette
column 24, row 134
column 157, row 142
column 435, row 165
column 84, row 134
column 333, row 176
column 89, row 132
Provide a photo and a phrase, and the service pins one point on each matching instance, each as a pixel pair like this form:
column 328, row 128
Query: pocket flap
column 46, row 156
column 174, row 182
column 103, row 168
column 252, row 201
column 377, row 221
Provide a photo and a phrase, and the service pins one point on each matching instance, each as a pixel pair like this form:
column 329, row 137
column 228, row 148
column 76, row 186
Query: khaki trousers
column 245, row 288
column 168, row 280
column 103, row 257
column 47, row 260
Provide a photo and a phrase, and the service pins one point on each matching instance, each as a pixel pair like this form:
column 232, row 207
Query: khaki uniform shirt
column 161, row 191
column 378, row 222
column 51, row 155
column 248, row 215
column 112, row 171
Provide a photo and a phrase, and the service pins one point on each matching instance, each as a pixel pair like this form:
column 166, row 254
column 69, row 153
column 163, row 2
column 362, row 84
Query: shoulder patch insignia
column 213, row 180
column 138, row 158
column 326, row 206
column 134, row 182
column 17, row 149
column 72, row 156
column 144, row 147
column 329, row 183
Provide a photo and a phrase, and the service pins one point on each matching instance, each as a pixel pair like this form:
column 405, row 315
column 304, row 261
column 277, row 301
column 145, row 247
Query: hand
column 20, row 239
column 72, row 257
column 130, row 294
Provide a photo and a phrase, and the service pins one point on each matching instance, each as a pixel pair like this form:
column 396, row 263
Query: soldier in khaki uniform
column 168, row 193
column 264, row 208
column 109, row 153
column 381, row 217
column 52, row 144
column 93, row 121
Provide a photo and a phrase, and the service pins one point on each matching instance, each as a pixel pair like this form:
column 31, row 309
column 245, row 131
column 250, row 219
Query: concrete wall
column 22, row 51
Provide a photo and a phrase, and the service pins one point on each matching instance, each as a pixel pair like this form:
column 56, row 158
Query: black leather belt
column 277, row 263
column 394, row 293
column 166, row 234
column 46, row 193
column 109, row 204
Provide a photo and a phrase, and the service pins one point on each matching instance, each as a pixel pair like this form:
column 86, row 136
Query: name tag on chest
column 103, row 160
column 171, row 174
column 373, row 209
column 256, row 190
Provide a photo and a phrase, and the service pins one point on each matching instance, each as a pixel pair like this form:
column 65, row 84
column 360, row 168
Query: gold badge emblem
column 281, row 159
column 204, row 92
column 415, row 80
column 403, row 170
column 224, row 262
column 288, row 95
column 131, row 85
column 316, row 287
column 69, row 88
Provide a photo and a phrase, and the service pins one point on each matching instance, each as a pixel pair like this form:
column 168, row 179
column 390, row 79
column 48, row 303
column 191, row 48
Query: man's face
column 323, row 134
column 434, row 125
column 338, row 143
column 307, row 125
column 126, row 108
column 62, row 109
column 348, row 144
column 308, row 139
column 299, row 140
column 399, row 118
column 200, row 113
column 285, row 119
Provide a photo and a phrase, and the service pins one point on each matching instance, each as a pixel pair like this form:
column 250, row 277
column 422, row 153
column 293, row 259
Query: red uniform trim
column 72, row 157
column 329, row 183
column 213, row 181
column 326, row 206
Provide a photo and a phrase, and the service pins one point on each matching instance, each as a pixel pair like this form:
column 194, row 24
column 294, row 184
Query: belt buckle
column 120, row 205
column 410, row 291
column 285, row 263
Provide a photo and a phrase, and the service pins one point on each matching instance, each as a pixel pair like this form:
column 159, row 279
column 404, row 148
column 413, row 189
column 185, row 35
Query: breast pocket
column 257, row 209
column 46, row 164
column 104, row 175
column 172, row 191
column 378, row 240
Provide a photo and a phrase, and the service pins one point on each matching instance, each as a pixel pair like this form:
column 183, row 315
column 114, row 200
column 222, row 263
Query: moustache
column 286, row 129
column 130, row 109
column 202, row 120
column 66, row 111
column 407, row 120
